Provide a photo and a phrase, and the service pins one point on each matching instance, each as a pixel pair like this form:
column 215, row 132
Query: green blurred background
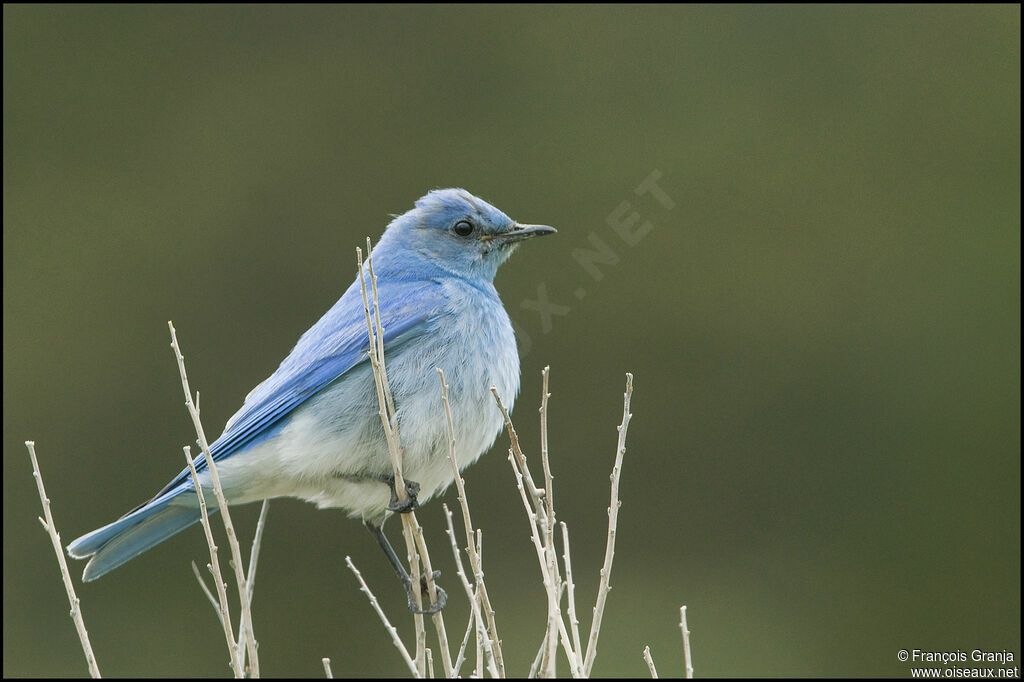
column 824, row 326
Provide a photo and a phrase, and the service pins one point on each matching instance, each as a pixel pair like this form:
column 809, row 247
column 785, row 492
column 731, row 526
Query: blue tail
column 135, row 532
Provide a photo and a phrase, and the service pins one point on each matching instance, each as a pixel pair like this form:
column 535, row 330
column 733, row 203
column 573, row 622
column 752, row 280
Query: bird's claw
column 442, row 596
column 412, row 489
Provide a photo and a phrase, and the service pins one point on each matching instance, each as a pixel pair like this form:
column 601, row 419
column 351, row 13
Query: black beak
column 521, row 232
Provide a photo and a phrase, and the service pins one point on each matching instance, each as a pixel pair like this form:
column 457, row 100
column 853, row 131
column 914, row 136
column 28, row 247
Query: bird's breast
column 472, row 342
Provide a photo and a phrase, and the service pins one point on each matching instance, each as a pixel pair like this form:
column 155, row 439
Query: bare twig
column 389, row 433
column 549, row 479
column 541, row 528
column 380, row 336
column 254, row 553
column 567, row 647
column 246, row 627
column 574, row 622
column 535, row 534
column 650, row 662
column 384, row 619
column 414, row 575
column 546, row 667
column 58, row 548
column 484, row 643
column 253, row 560
column 327, row 668
column 613, row 515
column 437, row 618
column 390, row 424
column 206, row 591
column 474, row 559
column 223, row 610
column 254, row 557
column 470, row 629
column 535, row 666
column 554, row 622
column 686, row 642
column 536, row 494
column 549, row 487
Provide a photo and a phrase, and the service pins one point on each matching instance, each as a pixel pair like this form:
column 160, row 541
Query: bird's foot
column 412, row 489
column 442, row 596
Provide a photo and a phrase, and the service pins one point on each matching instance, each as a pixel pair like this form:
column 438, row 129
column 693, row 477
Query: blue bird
column 312, row 430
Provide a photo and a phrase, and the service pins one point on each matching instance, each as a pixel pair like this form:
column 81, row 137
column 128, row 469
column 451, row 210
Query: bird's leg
column 403, row 575
column 412, row 489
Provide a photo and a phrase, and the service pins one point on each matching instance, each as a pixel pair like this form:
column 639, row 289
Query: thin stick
column 549, row 498
column 223, row 611
column 650, row 662
column 548, row 525
column 574, row 622
column 574, row 662
column 686, row 642
column 206, row 590
column 548, row 578
column 246, row 627
column 384, row 619
column 58, row 548
column 479, row 578
column 390, row 425
column 535, row 535
column 613, row 515
column 483, row 640
column 253, row 562
column 470, row 549
column 437, row 618
column 474, row 559
column 327, row 668
column 535, row 493
column 574, row 659
column 414, row 575
column 254, row 553
column 461, row 658
column 430, row 663
column 540, row 525
column 535, row 666
column 393, row 449
column 254, row 557
column 380, row 332
column 479, row 640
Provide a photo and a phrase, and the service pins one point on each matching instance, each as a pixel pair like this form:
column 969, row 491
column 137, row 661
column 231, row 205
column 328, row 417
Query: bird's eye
column 463, row 228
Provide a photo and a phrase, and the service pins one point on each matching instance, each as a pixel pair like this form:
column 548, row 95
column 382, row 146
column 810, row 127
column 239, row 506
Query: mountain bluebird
column 312, row 429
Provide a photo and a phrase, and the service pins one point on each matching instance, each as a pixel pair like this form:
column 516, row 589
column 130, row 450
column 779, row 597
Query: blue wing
column 331, row 347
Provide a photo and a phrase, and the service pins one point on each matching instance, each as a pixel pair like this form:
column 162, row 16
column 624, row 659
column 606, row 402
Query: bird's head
column 454, row 231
